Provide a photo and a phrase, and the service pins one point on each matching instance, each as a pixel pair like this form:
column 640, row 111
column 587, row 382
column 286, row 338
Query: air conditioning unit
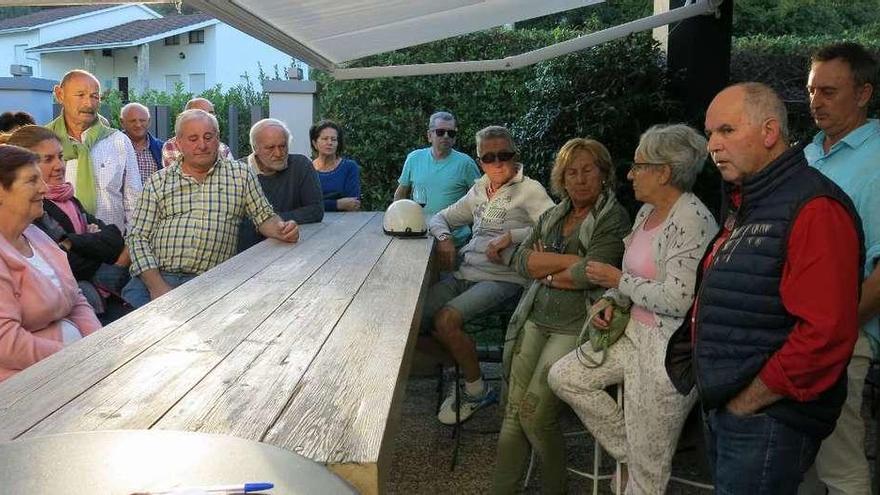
column 21, row 70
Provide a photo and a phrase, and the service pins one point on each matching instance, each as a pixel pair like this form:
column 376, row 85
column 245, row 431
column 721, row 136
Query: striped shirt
column 183, row 226
column 171, row 152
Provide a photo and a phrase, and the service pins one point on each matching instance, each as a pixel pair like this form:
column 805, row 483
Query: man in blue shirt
column 847, row 150
column 437, row 176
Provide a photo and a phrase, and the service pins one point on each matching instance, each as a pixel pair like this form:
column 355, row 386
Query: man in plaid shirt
column 171, row 151
column 187, row 218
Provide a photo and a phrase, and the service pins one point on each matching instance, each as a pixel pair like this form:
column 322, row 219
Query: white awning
column 328, row 34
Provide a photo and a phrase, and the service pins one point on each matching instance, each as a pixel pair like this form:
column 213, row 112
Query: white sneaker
column 469, row 404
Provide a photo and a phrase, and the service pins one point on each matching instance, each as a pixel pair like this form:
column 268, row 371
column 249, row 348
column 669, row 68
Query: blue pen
column 245, row 488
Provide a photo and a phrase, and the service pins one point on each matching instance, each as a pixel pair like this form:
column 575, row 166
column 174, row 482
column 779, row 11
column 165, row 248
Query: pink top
column 639, row 260
column 32, row 307
column 69, row 208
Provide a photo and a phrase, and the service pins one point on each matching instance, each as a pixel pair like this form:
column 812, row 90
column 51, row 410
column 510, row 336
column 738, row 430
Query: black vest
column 741, row 320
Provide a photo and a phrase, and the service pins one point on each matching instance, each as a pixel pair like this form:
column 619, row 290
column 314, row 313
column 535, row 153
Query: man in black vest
column 775, row 318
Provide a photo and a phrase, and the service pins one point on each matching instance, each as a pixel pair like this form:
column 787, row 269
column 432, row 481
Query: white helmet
column 404, row 218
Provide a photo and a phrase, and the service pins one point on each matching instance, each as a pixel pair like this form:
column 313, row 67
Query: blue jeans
column 757, row 454
column 137, row 294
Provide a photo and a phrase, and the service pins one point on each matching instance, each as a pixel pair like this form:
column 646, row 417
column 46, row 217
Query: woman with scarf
column 589, row 224
column 90, row 244
column 668, row 238
column 41, row 307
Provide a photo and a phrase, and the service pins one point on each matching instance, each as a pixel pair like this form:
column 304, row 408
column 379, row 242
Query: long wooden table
column 305, row 347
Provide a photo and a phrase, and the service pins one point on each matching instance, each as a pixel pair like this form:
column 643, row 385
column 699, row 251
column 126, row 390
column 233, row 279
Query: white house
column 131, row 47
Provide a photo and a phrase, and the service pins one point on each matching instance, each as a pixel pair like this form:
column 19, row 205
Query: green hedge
column 241, row 96
column 611, row 92
column 386, row 118
column 783, row 62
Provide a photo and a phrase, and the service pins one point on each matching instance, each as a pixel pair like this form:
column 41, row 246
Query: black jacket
column 87, row 250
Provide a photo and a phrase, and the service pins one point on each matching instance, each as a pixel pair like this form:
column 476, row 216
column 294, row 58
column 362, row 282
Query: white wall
column 54, row 65
column 62, row 30
column 165, row 60
column 246, row 52
column 7, row 51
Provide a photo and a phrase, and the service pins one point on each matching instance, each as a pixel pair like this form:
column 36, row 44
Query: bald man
column 171, row 151
column 101, row 162
column 775, row 320
column 135, row 121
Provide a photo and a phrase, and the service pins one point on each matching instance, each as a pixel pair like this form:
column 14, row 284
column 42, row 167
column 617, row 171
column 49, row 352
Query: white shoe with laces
column 469, row 404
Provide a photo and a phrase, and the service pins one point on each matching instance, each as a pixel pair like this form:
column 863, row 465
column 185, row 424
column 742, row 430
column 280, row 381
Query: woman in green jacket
column 588, row 225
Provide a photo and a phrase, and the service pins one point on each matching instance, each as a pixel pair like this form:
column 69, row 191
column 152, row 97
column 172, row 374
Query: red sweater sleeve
column 820, row 283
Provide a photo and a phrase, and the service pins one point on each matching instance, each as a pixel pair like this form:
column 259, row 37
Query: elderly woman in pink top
column 668, row 239
column 41, row 307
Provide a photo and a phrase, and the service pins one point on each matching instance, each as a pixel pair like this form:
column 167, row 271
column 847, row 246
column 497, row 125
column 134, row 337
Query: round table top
column 140, row 461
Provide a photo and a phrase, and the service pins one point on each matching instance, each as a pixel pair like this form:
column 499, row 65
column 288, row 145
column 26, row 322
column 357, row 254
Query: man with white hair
column 289, row 181
column 135, row 121
column 171, row 151
column 188, row 216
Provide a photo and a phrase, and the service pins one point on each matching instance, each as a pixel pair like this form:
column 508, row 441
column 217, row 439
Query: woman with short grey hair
column 667, row 241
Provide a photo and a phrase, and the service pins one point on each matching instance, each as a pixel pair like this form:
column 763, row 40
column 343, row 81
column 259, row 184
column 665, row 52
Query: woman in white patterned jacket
column 668, row 239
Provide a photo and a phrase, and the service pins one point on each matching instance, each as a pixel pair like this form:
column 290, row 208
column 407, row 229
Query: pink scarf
column 60, row 192
column 61, row 195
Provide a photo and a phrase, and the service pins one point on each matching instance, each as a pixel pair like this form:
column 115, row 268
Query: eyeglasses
column 639, row 166
column 445, row 132
column 501, row 156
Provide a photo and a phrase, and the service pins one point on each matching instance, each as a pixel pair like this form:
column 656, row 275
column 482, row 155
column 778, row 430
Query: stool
column 595, row 476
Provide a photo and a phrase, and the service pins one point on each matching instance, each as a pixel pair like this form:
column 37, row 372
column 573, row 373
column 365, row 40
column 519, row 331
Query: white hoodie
column 515, row 208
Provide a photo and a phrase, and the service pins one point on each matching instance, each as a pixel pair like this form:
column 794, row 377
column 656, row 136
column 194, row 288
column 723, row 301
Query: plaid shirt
column 183, row 226
column 146, row 164
column 171, row 153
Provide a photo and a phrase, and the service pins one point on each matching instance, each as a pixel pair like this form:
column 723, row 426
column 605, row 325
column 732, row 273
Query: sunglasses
column 445, row 132
column 501, row 156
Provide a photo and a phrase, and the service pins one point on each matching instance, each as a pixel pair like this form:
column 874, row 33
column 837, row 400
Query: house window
column 171, row 82
column 106, row 52
column 197, row 36
column 172, row 40
column 196, row 83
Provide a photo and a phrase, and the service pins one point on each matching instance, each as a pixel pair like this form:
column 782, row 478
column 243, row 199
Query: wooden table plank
column 129, row 391
column 244, row 396
column 345, row 424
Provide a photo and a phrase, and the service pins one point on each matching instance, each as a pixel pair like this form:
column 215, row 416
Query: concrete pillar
column 661, row 34
column 89, row 61
column 293, row 102
column 143, row 68
column 30, row 94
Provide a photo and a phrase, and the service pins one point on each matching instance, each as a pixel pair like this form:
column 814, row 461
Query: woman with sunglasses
column 589, row 224
column 502, row 207
column 668, row 239
column 340, row 177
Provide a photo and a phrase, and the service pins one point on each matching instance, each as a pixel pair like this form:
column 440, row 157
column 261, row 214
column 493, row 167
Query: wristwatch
column 442, row 237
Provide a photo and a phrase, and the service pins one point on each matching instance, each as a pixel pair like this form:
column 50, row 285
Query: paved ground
column 423, row 450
